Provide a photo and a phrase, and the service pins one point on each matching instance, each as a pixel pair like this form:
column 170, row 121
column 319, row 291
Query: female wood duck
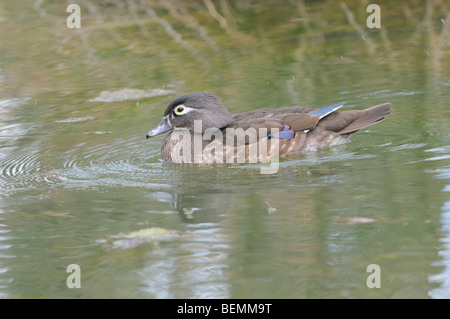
column 201, row 130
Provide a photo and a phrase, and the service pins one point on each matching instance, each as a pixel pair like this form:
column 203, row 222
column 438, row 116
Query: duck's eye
column 181, row 109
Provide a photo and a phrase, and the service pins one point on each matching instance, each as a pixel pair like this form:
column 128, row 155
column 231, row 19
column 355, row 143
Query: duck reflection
column 202, row 208
column 197, row 264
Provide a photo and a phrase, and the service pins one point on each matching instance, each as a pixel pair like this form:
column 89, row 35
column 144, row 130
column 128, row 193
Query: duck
column 199, row 129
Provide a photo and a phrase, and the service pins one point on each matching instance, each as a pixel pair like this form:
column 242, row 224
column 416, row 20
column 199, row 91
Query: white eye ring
column 181, row 109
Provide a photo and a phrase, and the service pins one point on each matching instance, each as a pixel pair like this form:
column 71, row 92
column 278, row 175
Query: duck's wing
column 285, row 120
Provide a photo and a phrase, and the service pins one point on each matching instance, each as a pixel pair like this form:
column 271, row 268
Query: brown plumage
column 292, row 130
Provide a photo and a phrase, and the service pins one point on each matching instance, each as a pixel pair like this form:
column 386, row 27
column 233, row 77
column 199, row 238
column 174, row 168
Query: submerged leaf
column 129, row 94
column 154, row 233
column 139, row 237
column 355, row 220
column 57, row 214
column 76, row 119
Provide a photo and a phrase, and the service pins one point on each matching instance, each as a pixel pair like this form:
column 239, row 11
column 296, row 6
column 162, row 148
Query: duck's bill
column 162, row 127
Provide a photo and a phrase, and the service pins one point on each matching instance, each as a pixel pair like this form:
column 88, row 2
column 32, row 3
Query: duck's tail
column 367, row 117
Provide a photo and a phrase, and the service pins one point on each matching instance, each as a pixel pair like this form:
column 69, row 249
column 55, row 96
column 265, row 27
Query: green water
column 77, row 177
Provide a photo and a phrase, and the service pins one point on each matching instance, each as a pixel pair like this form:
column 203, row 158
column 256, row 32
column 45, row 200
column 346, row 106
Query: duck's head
column 181, row 113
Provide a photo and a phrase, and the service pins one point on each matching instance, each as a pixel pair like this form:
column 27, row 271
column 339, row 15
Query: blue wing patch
column 286, row 134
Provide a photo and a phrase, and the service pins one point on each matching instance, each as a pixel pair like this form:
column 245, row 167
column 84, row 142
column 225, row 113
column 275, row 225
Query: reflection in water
column 205, row 264
column 444, row 277
column 13, row 163
column 5, row 279
column 198, row 269
column 443, row 292
column 195, row 268
column 158, row 276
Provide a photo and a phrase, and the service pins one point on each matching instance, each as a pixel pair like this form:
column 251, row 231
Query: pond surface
column 79, row 184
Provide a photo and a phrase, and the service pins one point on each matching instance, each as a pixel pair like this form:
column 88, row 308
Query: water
column 77, row 176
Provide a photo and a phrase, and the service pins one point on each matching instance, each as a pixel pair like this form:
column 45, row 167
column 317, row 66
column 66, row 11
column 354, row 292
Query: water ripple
column 19, row 164
column 120, row 162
